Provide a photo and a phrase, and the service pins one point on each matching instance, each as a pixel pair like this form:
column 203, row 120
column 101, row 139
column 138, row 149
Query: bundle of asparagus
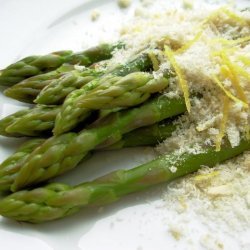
column 134, row 109
column 58, row 200
column 36, row 65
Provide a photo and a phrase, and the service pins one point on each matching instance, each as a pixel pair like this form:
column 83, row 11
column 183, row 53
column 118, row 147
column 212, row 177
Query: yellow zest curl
column 223, row 124
column 190, row 43
column 232, row 74
column 182, row 81
column 228, row 50
column 230, row 42
column 227, row 12
column 234, row 16
column 202, row 177
column 245, row 60
column 241, row 71
column 154, row 61
column 228, row 93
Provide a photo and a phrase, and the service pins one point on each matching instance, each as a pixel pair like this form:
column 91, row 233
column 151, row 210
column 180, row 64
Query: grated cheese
column 207, row 51
column 218, row 196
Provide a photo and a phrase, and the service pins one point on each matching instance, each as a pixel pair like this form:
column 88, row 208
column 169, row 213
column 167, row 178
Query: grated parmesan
column 208, row 49
column 218, row 196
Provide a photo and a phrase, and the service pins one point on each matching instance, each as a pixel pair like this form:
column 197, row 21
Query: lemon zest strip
column 230, row 42
column 182, row 81
column 228, row 93
column 223, row 124
column 201, row 177
column 234, row 16
column 190, row 43
column 242, row 72
column 234, row 77
column 245, row 60
column 154, row 61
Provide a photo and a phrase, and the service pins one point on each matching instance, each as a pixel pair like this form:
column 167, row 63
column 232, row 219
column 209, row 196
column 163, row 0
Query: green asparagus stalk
column 5, row 122
column 29, row 122
column 146, row 136
column 28, row 89
column 62, row 153
column 58, row 89
column 56, row 200
column 128, row 91
column 35, row 65
column 115, row 92
column 12, row 165
column 70, row 114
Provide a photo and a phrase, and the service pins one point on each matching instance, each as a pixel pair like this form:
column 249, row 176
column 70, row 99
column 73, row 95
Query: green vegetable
column 127, row 91
column 5, row 122
column 70, row 114
column 35, row 65
column 12, row 164
column 58, row 89
column 62, row 153
column 29, row 122
column 28, row 89
column 57, row 200
column 146, row 136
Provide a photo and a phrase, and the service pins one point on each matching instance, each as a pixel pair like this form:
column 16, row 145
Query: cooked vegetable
column 106, row 93
column 126, row 91
column 62, row 153
column 71, row 114
column 57, row 200
column 146, row 136
column 30, row 122
column 12, row 164
column 35, row 65
column 28, row 89
column 58, row 89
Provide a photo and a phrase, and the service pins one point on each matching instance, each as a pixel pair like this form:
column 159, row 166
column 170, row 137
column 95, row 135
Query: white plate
column 134, row 223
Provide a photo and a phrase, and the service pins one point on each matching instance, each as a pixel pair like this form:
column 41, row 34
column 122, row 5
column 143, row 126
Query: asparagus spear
column 127, row 91
column 146, row 136
column 35, row 65
column 28, row 89
column 56, row 200
column 55, row 95
column 5, row 122
column 140, row 63
column 62, row 153
column 12, row 165
column 29, row 122
column 58, row 89
column 108, row 92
